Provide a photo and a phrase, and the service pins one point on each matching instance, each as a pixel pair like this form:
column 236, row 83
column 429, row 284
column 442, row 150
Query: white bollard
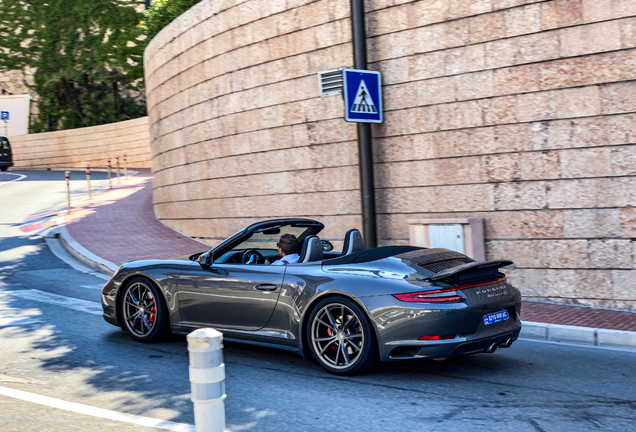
column 67, row 176
column 118, row 173
column 88, row 179
column 207, row 379
column 110, row 183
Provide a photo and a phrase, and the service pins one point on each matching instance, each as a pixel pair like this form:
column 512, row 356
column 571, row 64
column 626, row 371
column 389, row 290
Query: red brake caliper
column 330, row 333
column 151, row 318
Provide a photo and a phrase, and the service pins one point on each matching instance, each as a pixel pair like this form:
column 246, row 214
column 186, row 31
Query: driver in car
column 288, row 250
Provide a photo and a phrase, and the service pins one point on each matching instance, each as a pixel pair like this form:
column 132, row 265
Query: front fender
column 163, row 276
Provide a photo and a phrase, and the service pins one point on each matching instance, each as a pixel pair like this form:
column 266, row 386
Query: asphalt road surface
column 54, row 343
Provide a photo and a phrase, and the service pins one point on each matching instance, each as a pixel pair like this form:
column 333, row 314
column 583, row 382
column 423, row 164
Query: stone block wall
column 13, row 81
column 74, row 147
column 519, row 111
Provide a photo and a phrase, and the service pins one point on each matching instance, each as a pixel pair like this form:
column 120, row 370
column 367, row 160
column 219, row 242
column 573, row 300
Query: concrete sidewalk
column 119, row 225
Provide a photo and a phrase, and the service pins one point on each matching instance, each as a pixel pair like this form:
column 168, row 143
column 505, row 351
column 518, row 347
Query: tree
column 87, row 56
column 163, row 12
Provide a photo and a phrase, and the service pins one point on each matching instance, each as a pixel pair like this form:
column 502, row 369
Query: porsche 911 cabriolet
column 345, row 309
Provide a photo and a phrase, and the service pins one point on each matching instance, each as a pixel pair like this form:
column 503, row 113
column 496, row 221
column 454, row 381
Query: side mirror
column 204, row 259
column 326, row 246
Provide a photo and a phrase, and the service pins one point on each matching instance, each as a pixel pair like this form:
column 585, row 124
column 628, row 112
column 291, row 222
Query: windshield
column 264, row 237
column 268, row 238
column 4, row 143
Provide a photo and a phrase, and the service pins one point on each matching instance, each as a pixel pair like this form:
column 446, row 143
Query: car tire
column 340, row 337
column 4, row 168
column 143, row 310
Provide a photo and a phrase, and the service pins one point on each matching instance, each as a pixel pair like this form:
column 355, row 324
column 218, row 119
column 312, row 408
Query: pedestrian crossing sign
column 363, row 96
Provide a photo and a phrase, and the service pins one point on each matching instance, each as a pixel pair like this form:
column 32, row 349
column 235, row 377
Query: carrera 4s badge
column 494, row 291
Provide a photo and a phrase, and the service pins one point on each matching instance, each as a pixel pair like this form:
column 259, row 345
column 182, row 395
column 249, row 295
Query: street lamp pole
column 365, row 152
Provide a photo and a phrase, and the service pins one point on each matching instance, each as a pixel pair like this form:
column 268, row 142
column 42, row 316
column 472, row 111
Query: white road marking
column 90, row 307
column 20, row 177
column 95, row 287
column 96, row 412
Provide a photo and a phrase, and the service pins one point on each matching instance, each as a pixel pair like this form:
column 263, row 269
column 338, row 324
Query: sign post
column 4, row 115
column 365, row 152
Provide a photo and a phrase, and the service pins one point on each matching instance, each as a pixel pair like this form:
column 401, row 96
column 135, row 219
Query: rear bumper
column 6, row 164
column 451, row 348
column 399, row 325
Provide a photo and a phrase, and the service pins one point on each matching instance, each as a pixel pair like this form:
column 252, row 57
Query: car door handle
column 266, row 287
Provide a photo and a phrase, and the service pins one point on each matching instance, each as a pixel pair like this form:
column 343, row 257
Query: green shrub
column 87, row 56
column 163, row 12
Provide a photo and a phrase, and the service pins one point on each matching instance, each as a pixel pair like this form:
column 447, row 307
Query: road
column 55, row 343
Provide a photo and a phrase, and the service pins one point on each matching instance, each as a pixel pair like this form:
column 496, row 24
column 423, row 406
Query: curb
column 580, row 335
column 82, row 254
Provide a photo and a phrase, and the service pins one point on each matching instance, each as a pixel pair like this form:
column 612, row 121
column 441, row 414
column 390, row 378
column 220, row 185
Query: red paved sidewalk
column 578, row 316
column 120, row 226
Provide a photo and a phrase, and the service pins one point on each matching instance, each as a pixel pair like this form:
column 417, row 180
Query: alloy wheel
column 140, row 309
column 337, row 336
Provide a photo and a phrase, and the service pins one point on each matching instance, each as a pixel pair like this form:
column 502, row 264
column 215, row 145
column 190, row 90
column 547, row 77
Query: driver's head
column 288, row 244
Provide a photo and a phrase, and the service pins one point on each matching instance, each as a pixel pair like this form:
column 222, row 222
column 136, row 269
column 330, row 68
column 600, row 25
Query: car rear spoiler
column 483, row 267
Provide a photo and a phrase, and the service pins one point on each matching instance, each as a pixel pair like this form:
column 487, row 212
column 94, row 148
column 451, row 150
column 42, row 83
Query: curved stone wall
column 518, row 111
column 74, row 147
column 238, row 132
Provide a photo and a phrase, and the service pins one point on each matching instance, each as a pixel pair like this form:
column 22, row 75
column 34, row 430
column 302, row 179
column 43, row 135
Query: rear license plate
column 496, row 317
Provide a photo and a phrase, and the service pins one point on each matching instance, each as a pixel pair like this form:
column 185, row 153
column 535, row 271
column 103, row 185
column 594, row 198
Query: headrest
column 352, row 242
column 311, row 250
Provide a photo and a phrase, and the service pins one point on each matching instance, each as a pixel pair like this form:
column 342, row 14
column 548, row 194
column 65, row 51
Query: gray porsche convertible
column 345, row 309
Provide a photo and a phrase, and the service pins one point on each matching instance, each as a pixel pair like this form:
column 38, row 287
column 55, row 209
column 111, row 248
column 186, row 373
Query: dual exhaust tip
column 505, row 343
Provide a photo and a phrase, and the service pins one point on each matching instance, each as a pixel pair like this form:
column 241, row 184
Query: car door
column 229, row 295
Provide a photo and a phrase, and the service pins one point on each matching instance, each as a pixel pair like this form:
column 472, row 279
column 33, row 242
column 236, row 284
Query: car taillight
column 446, row 295
column 437, row 337
column 434, row 296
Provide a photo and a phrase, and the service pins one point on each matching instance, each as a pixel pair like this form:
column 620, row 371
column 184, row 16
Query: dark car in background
column 345, row 309
column 6, row 158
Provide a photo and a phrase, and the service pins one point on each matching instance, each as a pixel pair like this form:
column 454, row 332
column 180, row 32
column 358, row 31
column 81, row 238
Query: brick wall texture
column 74, row 147
column 519, row 111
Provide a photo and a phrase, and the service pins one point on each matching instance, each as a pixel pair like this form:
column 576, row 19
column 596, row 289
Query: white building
column 18, row 109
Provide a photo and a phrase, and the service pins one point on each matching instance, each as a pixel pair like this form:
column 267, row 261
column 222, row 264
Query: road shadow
column 143, row 379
